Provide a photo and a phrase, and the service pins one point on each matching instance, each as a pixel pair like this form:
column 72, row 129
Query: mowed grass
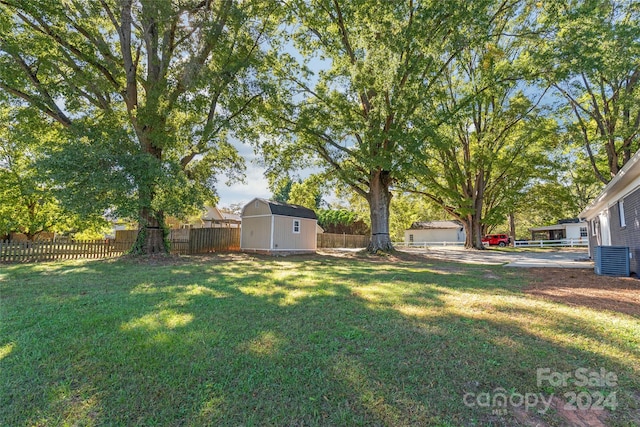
column 316, row 340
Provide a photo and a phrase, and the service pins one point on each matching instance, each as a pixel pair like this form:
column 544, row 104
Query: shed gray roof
column 433, row 225
column 286, row 209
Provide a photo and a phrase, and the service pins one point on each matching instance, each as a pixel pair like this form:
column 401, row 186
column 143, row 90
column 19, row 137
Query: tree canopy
column 492, row 138
column 589, row 51
column 29, row 202
column 147, row 91
column 357, row 117
column 130, row 107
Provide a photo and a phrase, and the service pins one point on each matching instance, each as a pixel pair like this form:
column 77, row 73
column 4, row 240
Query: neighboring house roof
column 432, row 225
column 549, row 227
column 285, row 209
column 558, row 226
column 569, row 221
column 629, row 173
column 230, row 216
column 561, row 225
column 215, row 214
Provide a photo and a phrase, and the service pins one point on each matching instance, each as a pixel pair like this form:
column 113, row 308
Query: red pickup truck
column 496, row 239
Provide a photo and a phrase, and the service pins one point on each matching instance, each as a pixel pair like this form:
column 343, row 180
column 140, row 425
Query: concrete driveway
column 561, row 258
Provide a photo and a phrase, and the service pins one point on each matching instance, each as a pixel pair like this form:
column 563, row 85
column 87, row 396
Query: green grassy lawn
column 317, row 340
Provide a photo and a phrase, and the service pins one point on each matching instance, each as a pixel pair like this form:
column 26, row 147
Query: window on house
column 411, row 237
column 296, row 226
column 583, row 232
column 593, row 227
column 623, row 223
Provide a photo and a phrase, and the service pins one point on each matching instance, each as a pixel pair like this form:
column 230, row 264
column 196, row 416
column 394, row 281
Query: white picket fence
column 551, row 243
column 571, row 243
column 425, row 244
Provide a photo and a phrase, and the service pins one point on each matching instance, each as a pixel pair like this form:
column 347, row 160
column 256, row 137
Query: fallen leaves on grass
column 585, row 288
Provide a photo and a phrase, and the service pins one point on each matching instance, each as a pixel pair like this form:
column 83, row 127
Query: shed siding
column 285, row 239
column 630, row 234
column 256, row 207
column 435, row 235
column 256, row 233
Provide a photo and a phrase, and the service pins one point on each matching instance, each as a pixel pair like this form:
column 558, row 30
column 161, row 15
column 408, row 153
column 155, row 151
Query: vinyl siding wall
column 256, row 207
column 285, row 239
column 572, row 231
column 435, row 235
column 256, row 233
column 630, row 234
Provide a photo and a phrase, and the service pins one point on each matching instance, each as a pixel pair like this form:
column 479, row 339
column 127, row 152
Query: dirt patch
column 585, row 288
column 567, row 413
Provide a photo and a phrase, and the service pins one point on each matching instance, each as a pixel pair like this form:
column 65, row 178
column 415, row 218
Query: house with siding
column 570, row 229
column 435, row 231
column 614, row 216
column 277, row 228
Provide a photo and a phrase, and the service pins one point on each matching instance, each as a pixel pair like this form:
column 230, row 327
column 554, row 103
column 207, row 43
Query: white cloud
column 256, row 185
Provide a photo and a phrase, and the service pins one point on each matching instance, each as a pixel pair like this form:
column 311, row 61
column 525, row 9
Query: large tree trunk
column 512, row 228
column 379, row 199
column 151, row 234
column 151, row 231
column 473, row 221
column 473, row 231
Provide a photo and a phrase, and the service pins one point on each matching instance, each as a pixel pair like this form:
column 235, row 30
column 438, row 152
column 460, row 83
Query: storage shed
column 277, row 228
column 435, row 231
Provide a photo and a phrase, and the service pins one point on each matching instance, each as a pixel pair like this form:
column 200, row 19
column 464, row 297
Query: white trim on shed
column 269, row 226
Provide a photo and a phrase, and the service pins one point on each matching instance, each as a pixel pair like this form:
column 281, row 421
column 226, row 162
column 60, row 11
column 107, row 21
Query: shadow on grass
column 263, row 341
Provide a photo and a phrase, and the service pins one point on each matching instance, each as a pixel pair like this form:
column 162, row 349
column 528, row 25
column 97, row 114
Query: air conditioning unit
column 612, row 261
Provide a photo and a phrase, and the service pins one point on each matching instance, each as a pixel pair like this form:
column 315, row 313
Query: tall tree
column 28, row 202
column 564, row 186
column 491, row 137
column 377, row 64
column 590, row 53
column 148, row 89
column 281, row 189
column 307, row 192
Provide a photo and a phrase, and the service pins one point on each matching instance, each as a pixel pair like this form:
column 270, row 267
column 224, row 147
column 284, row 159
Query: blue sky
column 255, row 185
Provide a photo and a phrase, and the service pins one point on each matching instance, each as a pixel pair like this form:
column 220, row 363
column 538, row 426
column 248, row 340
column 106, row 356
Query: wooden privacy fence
column 185, row 241
column 50, row 250
column 203, row 240
column 192, row 241
column 330, row 240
